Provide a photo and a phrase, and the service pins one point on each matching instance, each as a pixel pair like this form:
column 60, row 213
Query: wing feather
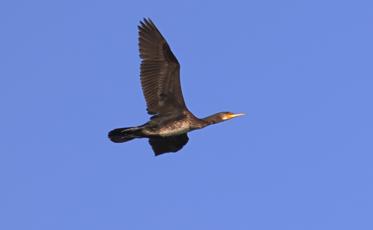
column 160, row 71
column 162, row 145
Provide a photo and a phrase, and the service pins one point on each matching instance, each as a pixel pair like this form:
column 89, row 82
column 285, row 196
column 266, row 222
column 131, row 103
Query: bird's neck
column 210, row 120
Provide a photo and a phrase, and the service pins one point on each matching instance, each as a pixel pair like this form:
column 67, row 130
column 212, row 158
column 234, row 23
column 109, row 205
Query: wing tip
column 146, row 22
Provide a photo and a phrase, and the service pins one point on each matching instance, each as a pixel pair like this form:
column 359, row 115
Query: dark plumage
column 160, row 81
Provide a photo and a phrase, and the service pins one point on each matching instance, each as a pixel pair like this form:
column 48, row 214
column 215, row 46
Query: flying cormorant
column 160, row 80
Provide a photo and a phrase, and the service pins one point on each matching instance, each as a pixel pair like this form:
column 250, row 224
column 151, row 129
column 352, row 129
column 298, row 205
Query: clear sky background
column 300, row 159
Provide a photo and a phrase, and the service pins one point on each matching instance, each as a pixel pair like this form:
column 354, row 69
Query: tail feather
column 123, row 134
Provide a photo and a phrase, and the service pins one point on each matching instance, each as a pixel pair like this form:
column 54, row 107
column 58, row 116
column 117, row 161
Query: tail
column 124, row 134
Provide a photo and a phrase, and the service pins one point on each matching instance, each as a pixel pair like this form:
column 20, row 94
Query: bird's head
column 222, row 116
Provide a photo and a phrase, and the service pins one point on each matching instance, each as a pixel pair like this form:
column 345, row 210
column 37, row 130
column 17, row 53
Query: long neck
column 213, row 119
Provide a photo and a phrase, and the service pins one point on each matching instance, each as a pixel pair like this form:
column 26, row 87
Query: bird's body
column 171, row 120
column 168, row 127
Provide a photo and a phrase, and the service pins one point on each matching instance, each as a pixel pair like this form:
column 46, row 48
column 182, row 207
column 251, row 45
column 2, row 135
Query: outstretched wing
column 162, row 145
column 160, row 71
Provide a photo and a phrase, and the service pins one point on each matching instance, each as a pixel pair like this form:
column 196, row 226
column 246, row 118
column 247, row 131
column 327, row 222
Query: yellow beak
column 236, row 115
column 230, row 116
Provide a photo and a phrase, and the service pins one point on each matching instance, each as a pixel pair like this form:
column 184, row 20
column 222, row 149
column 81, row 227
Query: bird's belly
column 174, row 128
column 173, row 132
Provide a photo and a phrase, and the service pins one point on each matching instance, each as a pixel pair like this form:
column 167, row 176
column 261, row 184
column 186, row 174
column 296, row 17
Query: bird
column 170, row 119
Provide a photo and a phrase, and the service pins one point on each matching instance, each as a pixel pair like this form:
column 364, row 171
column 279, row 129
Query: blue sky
column 301, row 158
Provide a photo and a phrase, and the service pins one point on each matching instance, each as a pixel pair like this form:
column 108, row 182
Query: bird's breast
column 174, row 128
